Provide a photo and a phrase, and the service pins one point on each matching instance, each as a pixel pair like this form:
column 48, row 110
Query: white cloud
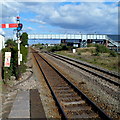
column 36, row 21
column 84, row 17
column 30, row 28
column 10, row 10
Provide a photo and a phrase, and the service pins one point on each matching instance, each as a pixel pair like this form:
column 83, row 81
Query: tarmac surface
column 28, row 105
column 21, row 106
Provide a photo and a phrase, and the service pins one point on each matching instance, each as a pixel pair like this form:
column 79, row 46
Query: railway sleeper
column 77, row 108
column 61, row 88
column 58, row 84
column 64, row 90
column 82, row 116
column 80, row 112
column 67, row 95
column 74, row 103
column 71, row 98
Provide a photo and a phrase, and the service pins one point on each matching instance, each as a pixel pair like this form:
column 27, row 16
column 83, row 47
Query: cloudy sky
column 61, row 16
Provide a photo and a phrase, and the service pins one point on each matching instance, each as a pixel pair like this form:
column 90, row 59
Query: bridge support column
column 106, row 43
column 83, row 43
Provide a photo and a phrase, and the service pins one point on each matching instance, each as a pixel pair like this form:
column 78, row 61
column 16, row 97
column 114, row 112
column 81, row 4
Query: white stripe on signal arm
column 7, row 25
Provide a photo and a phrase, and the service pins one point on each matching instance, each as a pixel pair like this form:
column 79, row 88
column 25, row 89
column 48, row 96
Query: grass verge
column 104, row 61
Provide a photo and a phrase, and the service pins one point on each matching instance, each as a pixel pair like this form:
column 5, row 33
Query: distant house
column 2, row 41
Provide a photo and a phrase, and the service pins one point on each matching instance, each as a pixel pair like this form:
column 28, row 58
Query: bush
column 112, row 54
column 57, row 48
column 53, row 48
column 101, row 49
column 92, row 51
column 97, row 54
column 64, row 47
column 10, row 71
column 14, row 69
column 91, row 45
column 79, row 53
column 24, row 52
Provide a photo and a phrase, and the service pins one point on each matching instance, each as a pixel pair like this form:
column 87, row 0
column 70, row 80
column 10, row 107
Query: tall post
column 18, row 41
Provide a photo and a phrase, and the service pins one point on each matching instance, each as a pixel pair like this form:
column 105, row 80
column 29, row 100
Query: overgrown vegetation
column 58, row 48
column 94, row 53
column 39, row 46
column 102, row 49
column 98, row 55
column 112, row 54
column 14, row 69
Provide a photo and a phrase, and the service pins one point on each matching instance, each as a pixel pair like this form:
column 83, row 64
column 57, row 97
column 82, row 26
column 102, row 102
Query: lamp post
column 81, row 43
column 95, row 38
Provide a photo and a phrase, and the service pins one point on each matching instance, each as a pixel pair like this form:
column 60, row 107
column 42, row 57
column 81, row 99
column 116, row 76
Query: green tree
column 24, row 39
column 14, row 69
column 24, row 50
column 10, row 43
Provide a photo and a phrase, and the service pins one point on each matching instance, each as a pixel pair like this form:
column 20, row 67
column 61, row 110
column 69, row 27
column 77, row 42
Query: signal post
column 19, row 26
column 18, row 39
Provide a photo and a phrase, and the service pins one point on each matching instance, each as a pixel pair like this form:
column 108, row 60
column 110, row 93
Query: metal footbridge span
column 66, row 36
column 82, row 37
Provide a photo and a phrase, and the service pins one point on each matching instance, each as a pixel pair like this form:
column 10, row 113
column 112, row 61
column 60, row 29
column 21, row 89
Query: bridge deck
column 67, row 36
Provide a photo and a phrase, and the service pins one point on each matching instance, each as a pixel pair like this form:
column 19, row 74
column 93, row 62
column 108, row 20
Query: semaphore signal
column 11, row 25
column 19, row 26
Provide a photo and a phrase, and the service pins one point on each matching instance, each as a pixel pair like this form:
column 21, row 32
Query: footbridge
column 82, row 38
column 66, row 36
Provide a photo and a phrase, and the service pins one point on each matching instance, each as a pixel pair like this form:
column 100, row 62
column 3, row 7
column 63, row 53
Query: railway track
column 106, row 75
column 72, row 103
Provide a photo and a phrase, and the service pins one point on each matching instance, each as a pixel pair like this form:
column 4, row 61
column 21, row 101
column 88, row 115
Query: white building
column 2, row 41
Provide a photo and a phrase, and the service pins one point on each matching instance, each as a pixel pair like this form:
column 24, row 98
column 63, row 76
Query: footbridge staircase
column 113, row 43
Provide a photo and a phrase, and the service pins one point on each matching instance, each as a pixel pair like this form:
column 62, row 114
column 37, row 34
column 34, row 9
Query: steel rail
column 96, row 108
column 101, row 70
column 107, row 79
column 64, row 117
